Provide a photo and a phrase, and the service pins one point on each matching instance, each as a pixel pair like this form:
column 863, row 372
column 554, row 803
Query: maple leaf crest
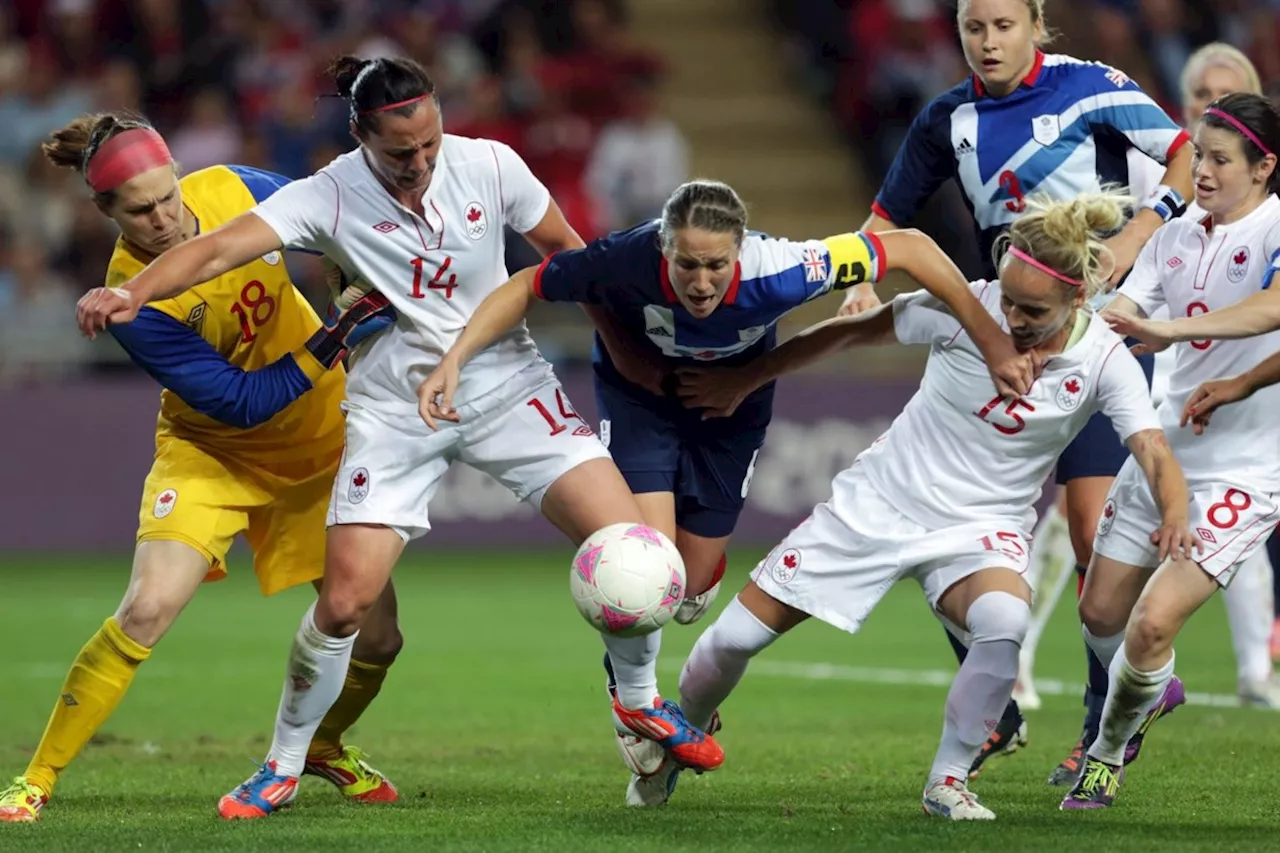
column 789, row 560
column 359, row 479
column 1109, row 510
column 1072, row 386
column 1241, row 256
column 474, row 214
column 166, row 497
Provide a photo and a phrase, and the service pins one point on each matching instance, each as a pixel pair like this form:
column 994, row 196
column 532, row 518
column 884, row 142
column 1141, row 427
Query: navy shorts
column 661, row 446
column 1097, row 451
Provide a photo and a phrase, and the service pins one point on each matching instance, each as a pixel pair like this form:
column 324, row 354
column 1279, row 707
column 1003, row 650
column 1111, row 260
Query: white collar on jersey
column 1269, row 209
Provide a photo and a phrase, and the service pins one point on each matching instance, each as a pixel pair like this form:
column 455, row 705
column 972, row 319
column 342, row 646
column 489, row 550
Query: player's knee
column 998, row 616
column 1101, row 616
column 379, row 642
column 145, row 619
column 1150, row 628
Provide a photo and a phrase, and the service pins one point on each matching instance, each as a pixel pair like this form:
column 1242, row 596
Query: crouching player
column 695, row 287
column 947, row 495
column 249, row 439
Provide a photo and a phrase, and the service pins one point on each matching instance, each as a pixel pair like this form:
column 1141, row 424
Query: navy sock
column 1273, row 552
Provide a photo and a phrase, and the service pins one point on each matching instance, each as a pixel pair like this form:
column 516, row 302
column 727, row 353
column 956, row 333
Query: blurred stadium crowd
column 562, row 81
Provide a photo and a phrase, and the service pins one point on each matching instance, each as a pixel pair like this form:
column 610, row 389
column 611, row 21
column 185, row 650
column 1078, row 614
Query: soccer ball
column 627, row 580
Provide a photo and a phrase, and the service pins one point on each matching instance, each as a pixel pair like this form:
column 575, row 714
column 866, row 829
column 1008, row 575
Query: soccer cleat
column 354, row 777
column 1096, row 788
column 693, row 609
column 951, row 798
column 642, row 756
column 258, row 796
column 1260, row 694
column 657, row 787
column 665, row 724
column 1174, row 695
column 1068, row 771
column 21, row 802
column 1008, row 737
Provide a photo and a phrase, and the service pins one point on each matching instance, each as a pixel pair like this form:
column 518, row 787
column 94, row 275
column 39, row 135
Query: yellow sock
column 363, row 682
column 94, row 686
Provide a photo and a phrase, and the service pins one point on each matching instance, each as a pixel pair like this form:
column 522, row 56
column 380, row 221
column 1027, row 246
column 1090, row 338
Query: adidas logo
column 658, row 332
column 964, row 147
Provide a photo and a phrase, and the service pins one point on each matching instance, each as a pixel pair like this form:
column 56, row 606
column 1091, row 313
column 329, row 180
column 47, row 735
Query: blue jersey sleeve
column 186, row 364
column 617, row 270
column 260, row 183
column 1113, row 103
column 923, row 163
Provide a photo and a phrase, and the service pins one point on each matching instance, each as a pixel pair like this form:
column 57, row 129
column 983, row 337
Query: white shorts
column 525, row 435
column 1233, row 521
column 843, row 558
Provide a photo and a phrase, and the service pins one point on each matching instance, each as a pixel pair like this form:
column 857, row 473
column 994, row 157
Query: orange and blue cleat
column 665, row 724
column 258, row 796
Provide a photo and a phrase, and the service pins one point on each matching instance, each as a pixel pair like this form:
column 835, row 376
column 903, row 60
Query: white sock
column 1130, row 695
column 635, row 668
column 997, row 621
column 314, row 679
column 1104, row 647
column 1051, row 567
column 1249, row 612
column 718, row 660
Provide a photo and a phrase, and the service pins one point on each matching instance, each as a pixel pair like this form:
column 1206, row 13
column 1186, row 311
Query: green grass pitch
column 494, row 726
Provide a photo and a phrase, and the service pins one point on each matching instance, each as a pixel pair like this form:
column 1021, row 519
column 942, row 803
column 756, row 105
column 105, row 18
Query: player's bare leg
column 1111, row 591
column 376, row 647
column 590, row 496
column 1249, row 615
column 1085, row 499
column 1143, row 687
column 358, row 563
column 704, row 563
column 994, row 607
column 165, row 576
column 746, row 626
column 1048, row 573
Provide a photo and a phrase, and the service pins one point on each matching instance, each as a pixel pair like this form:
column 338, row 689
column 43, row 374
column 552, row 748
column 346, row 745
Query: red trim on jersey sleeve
column 877, row 248
column 664, row 278
column 1030, row 80
column 537, row 276
column 731, row 295
column 1180, row 140
column 880, row 211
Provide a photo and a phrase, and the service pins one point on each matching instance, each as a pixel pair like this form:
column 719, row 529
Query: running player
column 695, row 287
column 248, row 442
column 922, row 501
column 1028, row 122
column 420, row 214
column 1233, row 469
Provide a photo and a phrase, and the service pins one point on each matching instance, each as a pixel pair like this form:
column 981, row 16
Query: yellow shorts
column 205, row 499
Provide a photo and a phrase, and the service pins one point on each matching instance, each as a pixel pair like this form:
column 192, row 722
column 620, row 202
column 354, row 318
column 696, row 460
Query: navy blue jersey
column 627, row 273
column 1067, row 129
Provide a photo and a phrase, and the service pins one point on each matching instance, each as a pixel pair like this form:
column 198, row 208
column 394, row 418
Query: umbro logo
column 658, row 332
column 965, row 148
column 1174, row 263
column 385, row 227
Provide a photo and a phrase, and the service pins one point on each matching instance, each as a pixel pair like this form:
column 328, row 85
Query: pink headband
column 403, row 103
column 1030, row 261
column 1239, row 125
column 125, row 156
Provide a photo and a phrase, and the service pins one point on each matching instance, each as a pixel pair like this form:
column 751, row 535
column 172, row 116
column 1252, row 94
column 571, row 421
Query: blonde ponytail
column 1067, row 236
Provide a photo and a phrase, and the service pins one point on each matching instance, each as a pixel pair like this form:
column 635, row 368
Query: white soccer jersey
column 959, row 452
column 435, row 269
column 1193, row 270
